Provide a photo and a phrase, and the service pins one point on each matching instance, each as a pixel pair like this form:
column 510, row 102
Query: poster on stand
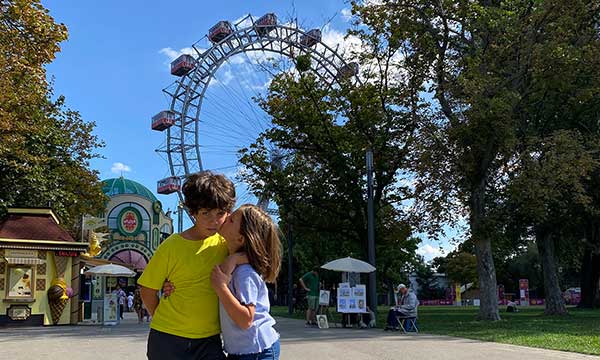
column 111, row 312
column 352, row 305
column 352, row 299
column 342, row 306
column 359, row 291
column 322, row 322
column 345, row 292
column 360, row 294
column 324, row 298
column 361, row 306
column 97, row 287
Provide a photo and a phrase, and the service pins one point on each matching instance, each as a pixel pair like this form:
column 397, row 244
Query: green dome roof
column 122, row 186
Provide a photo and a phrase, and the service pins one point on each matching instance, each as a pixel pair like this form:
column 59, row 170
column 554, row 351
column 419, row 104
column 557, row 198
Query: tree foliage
column 428, row 284
column 321, row 135
column 462, row 267
column 498, row 74
column 45, row 147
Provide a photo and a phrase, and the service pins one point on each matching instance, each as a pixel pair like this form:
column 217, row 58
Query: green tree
column 462, row 267
column 428, row 286
column 440, row 264
column 523, row 265
column 590, row 258
column 549, row 188
column 560, row 137
column 322, row 134
column 45, row 147
column 457, row 51
column 493, row 70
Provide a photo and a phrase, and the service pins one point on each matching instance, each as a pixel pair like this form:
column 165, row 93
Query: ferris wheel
column 200, row 122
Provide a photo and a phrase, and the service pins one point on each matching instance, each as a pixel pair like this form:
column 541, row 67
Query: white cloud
column 223, row 79
column 334, row 38
column 260, row 57
column 173, row 54
column 237, row 60
column 262, row 87
column 227, row 77
column 119, row 168
column 346, row 14
column 290, row 24
column 429, row 252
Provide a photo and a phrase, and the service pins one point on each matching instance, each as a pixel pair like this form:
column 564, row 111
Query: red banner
column 524, row 292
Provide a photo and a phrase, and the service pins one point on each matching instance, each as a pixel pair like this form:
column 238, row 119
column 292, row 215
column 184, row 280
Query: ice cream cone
column 56, row 309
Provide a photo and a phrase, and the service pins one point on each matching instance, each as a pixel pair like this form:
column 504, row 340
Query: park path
column 128, row 341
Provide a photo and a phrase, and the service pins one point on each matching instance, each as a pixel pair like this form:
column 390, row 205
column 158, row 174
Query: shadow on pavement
column 293, row 331
column 128, row 327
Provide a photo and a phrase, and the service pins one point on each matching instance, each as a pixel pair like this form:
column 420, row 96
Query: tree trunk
column 555, row 304
column 488, row 309
column 590, row 267
column 590, row 280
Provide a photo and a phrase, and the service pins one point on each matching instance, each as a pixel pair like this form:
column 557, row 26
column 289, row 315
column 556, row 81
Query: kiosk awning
column 24, row 261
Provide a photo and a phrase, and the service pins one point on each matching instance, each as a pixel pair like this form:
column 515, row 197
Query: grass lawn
column 579, row 331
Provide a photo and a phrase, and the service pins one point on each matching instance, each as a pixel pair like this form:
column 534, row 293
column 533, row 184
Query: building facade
column 39, row 270
column 136, row 223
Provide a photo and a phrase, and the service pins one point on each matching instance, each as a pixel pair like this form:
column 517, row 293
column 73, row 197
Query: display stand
column 351, row 300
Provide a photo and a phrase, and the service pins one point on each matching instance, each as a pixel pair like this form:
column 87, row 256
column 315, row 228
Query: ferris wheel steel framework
column 187, row 93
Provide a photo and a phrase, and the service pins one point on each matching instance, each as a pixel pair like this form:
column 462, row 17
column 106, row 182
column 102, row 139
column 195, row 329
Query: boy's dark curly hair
column 206, row 190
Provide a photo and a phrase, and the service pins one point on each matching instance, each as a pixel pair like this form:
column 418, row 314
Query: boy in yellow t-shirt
column 185, row 325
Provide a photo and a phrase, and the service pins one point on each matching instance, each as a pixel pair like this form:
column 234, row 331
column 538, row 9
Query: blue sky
column 115, row 64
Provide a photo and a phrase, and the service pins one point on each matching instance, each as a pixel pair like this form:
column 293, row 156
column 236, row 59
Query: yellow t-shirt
column 192, row 310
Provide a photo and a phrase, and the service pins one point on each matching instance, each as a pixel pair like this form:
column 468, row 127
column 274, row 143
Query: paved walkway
column 128, row 341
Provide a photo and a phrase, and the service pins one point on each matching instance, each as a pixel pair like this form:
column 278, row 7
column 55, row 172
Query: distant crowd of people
column 131, row 302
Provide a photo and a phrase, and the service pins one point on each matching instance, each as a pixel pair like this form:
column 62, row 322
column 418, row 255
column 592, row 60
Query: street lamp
column 371, row 232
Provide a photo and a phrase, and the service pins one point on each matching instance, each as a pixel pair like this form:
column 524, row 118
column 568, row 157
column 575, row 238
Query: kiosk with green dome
column 136, row 223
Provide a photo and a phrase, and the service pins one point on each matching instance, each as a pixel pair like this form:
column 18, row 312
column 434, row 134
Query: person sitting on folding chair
column 406, row 307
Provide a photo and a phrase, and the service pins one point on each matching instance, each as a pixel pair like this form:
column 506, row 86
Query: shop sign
column 66, row 253
column 14, row 253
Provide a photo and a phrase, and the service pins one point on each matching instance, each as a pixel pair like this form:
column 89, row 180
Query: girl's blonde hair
column 262, row 245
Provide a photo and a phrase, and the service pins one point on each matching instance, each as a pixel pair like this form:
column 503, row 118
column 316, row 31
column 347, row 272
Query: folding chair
column 409, row 322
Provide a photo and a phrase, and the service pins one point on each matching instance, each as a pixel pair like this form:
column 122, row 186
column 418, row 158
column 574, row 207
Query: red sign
column 129, row 222
column 66, row 253
column 524, row 291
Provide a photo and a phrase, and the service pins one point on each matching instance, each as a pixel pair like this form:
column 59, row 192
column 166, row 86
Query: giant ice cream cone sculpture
column 56, row 310
column 57, row 299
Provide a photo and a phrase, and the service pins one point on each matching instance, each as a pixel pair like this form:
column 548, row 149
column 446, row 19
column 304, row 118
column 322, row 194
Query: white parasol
column 349, row 264
column 111, row 270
